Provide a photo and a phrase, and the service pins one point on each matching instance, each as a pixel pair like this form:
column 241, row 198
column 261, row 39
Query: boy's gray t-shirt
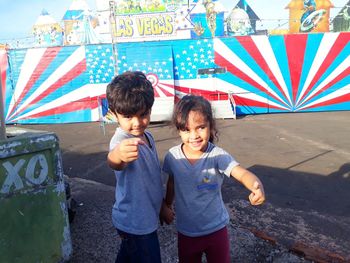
column 139, row 192
column 199, row 207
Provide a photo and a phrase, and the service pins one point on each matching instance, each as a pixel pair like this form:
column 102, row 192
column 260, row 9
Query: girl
column 196, row 170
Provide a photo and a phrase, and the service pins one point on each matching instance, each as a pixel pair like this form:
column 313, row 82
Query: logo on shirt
column 206, row 179
column 206, row 184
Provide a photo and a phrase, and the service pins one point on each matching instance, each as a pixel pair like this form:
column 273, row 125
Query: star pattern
column 190, row 58
column 99, row 63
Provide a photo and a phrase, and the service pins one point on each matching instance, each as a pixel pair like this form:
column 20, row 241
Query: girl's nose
column 193, row 134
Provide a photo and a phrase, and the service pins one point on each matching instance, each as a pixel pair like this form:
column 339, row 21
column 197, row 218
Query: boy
column 134, row 158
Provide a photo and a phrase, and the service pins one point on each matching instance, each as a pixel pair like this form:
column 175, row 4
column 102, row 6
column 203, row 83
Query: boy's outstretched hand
column 128, row 149
column 257, row 196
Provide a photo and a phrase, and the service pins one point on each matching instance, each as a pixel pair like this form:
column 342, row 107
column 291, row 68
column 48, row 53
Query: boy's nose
column 136, row 121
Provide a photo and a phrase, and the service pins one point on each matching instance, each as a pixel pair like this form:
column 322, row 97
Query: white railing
column 233, row 104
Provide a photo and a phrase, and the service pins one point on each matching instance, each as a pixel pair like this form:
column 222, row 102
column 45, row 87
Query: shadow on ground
column 301, row 208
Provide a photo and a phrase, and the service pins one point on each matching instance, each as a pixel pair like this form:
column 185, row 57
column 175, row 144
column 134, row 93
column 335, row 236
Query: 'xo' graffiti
column 36, row 173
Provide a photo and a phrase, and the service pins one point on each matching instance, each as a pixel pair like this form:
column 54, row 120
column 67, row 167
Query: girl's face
column 195, row 136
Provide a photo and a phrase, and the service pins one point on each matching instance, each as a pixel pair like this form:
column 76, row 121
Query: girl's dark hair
column 130, row 93
column 194, row 103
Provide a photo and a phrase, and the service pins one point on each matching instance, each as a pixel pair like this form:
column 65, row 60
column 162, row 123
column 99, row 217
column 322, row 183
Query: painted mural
column 79, row 24
column 158, row 20
column 258, row 74
column 47, row 31
column 309, row 16
column 342, row 21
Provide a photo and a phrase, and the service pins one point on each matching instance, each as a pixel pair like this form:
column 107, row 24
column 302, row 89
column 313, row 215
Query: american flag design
column 263, row 74
column 290, row 73
column 49, row 85
column 153, row 60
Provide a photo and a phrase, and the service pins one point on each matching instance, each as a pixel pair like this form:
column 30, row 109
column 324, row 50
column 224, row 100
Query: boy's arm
column 251, row 182
column 167, row 213
column 126, row 151
column 170, row 193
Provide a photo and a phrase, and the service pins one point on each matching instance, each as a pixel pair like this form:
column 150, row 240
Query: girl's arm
column 251, row 182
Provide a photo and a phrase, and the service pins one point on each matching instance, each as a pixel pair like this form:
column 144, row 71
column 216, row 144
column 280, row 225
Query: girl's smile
column 195, row 136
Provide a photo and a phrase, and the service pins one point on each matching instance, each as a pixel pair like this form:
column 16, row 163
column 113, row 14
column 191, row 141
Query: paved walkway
column 303, row 160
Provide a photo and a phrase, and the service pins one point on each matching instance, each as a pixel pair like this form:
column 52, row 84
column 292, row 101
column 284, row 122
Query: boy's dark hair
column 194, row 103
column 129, row 93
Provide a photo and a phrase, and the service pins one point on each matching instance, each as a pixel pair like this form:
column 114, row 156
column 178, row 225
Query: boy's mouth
column 137, row 130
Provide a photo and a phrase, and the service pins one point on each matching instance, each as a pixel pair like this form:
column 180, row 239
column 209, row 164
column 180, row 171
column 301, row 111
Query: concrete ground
column 303, row 159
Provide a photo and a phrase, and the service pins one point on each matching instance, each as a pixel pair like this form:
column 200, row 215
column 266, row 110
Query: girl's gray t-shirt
column 139, row 191
column 199, row 207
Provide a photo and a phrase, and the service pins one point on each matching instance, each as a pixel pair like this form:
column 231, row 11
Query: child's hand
column 257, row 196
column 128, row 149
column 166, row 214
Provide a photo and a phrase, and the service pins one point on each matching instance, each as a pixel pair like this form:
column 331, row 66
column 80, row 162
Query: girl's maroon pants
column 216, row 247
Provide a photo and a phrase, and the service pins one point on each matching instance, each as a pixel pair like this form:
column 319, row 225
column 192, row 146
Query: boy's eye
column 144, row 114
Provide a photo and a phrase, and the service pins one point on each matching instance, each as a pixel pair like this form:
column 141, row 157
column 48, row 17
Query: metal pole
column 2, row 117
column 113, row 26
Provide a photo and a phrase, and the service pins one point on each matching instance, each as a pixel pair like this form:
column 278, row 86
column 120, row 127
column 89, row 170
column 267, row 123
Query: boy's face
column 134, row 124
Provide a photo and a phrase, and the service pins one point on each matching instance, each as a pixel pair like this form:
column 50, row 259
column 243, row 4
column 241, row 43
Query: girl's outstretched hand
column 257, row 196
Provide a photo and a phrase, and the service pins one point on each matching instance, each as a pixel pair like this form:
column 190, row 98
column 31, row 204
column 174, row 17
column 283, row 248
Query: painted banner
column 58, row 84
column 291, row 73
column 145, row 26
column 309, row 16
column 3, row 69
column 263, row 74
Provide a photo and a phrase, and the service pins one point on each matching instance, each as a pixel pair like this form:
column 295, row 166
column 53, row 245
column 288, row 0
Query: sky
column 18, row 16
